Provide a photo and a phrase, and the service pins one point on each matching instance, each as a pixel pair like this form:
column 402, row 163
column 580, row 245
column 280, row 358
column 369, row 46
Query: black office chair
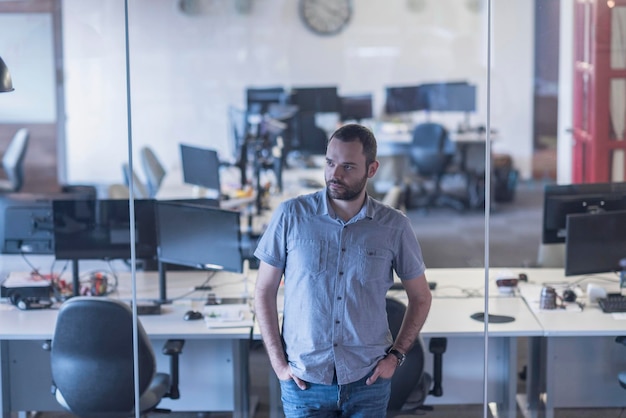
column 410, row 384
column 432, row 155
column 13, row 162
column 91, row 358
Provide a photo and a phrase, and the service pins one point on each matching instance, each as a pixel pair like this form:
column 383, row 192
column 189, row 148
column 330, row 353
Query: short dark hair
column 355, row 132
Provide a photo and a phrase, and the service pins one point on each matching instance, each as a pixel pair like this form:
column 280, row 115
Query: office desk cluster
column 214, row 374
column 572, row 361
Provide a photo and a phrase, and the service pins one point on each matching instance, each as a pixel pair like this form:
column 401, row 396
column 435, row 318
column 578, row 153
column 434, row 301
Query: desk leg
column 533, row 377
column 550, row 379
column 507, row 374
column 510, row 397
column 241, row 353
column 4, row 380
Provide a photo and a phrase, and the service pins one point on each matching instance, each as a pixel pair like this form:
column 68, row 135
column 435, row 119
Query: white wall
column 187, row 69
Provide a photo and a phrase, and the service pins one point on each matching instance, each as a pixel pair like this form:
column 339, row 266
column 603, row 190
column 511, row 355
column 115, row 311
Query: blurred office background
column 191, row 61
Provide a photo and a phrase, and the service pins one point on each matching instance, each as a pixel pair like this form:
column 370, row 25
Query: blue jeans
column 354, row 400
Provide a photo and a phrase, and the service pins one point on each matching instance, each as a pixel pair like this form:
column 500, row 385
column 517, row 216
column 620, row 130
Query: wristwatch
column 400, row 356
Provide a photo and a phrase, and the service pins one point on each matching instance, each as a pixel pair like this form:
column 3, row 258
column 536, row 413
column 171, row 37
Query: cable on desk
column 582, row 280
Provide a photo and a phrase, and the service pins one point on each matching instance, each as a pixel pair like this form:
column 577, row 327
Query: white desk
column 575, row 365
column 463, row 360
column 213, row 365
column 173, row 187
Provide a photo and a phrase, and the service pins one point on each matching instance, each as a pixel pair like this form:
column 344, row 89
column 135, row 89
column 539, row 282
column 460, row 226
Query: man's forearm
column 267, row 317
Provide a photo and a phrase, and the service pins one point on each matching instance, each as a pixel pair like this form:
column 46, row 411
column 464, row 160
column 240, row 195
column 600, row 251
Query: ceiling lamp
column 6, row 85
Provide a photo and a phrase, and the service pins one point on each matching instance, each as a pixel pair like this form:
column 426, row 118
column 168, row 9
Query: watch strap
column 398, row 355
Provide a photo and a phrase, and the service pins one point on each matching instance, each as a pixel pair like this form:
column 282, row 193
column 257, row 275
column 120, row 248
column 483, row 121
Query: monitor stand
column 162, row 283
column 622, row 276
column 75, row 278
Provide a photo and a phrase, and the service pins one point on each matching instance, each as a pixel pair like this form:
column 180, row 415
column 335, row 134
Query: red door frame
column 593, row 141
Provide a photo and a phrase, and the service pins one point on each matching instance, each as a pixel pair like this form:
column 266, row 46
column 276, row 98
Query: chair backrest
column 92, row 357
column 153, row 169
column 407, row 378
column 118, row 191
column 431, row 148
column 551, row 255
column 140, row 190
column 13, row 158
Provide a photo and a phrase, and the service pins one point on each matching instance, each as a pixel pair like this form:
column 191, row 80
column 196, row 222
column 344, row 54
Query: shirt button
column 338, row 297
column 337, row 322
column 343, row 250
column 341, row 273
column 335, row 345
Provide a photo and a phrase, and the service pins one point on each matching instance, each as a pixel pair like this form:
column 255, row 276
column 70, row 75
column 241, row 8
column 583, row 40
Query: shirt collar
column 325, row 208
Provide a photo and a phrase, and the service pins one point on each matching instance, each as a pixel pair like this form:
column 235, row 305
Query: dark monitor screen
column 100, row 229
column 316, row 99
column 595, row 242
column 562, row 200
column 201, row 167
column 356, row 107
column 449, row 97
column 403, row 99
column 200, row 237
column 259, row 100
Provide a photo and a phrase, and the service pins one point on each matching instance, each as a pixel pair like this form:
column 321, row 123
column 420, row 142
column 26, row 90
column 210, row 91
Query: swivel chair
column 410, row 384
column 140, row 189
column 91, row 358
column 13, row 162
column 153, row 170
column 432, row 154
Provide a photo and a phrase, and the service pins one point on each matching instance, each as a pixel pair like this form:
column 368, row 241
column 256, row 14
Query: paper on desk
column 228, row 316
column 619, row 315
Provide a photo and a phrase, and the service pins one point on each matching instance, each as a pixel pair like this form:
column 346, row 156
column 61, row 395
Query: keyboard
column 613, row 303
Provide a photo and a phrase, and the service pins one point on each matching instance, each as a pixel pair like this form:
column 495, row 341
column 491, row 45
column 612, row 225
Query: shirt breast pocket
column 375, row 263
column 308, row 256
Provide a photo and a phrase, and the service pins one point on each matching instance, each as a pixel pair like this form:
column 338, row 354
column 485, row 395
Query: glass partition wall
column 263, row 82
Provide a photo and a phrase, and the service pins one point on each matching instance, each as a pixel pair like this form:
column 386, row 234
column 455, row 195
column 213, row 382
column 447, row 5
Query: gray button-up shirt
column 336, row 276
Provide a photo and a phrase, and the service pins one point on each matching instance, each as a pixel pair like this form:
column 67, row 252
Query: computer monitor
column 201, row 167
column 100, row 229
column 595, row 242
column 316, row 99
column 259, row 99
column 449, row 97
column 356, row 107
column 26, row 226
column 310, row 139
column 404, row 99
column 197, row 236
column 562, row 200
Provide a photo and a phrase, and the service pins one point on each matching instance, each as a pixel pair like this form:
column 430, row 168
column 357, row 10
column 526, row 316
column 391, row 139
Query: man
column 337, row 249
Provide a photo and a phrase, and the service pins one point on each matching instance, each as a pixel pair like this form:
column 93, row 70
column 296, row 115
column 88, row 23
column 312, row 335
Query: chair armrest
column 621, row 339
column 173, row 348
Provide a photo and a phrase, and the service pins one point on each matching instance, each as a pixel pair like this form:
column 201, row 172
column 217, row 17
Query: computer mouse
column 193, row 315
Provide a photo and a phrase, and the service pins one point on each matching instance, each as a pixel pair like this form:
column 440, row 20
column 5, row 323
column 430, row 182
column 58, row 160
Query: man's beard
column 348, row 192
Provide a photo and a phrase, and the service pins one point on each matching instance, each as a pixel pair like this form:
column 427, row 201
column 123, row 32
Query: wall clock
column 325, row 17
